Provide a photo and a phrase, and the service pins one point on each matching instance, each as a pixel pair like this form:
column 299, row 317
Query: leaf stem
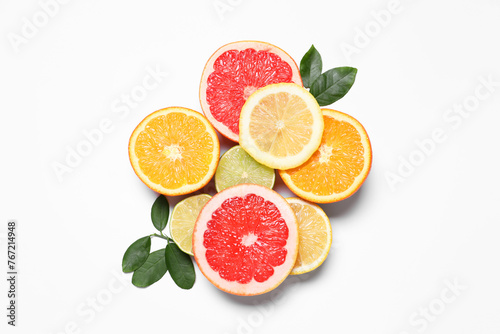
column 161, row 236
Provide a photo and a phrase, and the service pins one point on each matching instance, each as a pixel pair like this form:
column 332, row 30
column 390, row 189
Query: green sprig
column 149, row 268
column 327, row 87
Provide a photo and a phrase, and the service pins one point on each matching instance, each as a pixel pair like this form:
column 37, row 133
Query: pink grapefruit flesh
column 233, row 73
column 245, row 240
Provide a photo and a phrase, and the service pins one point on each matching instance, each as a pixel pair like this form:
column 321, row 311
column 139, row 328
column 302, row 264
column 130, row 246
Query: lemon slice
column 315, row 235
column 236, row 167
column 281, row 125
column 183, row 218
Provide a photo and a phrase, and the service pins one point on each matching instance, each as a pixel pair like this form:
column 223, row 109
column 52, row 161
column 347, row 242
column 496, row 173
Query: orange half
column 174, row 151
column 340, row 165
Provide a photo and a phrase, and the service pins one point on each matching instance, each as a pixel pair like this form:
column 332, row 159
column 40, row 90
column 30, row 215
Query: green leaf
column 136, row 254
column 151, row 271
column 311, row 66
column 180, row 266
column 159, row 213
column 332, row 85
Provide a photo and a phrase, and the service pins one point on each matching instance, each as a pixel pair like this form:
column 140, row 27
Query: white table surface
column 415, row 250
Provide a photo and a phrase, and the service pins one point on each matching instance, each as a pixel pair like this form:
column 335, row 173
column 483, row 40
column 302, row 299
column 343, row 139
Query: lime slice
column 183, row 218
column 236, row 167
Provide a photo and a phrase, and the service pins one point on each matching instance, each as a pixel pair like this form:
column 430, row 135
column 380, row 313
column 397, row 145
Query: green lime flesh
column 236, row 167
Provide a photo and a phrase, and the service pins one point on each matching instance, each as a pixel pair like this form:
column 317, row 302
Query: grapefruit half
column 233, row 73
column 245, row 240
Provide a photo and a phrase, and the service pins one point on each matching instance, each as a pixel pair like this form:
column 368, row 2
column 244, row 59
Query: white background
column 396, row 249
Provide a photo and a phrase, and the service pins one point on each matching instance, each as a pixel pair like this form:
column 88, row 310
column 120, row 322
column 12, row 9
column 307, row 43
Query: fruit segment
column 281, row 125
column 174, row 151
column 236, row 75
column 233, row 73
column 339, row 166
column 183, row 218
column 245, row 240
column 236, row 167
column 315, row 235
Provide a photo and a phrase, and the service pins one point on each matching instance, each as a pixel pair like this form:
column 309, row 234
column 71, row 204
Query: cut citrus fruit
column 236, row 167
column 340, row 165
column 315, row 235
column 183, row 218
column 234, row 72
column 281, row 125
column 245, row 239
column 174, row 151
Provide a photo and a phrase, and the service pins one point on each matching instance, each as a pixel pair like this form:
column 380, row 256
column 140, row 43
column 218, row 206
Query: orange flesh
column 174, row 150
column 340, row 154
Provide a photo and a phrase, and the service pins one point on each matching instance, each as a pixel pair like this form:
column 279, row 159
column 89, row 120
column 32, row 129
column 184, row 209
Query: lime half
column 183, row 218
column 236, row 166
